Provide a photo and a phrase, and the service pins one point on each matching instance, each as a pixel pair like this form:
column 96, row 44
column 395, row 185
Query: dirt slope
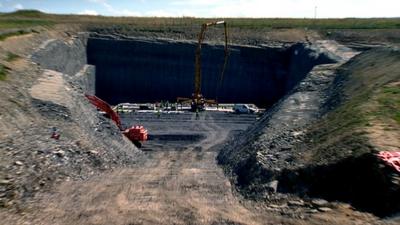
column 332, row 158
column 33, row 101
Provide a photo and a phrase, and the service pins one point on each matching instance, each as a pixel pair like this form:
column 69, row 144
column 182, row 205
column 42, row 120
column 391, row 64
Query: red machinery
column 136, row 134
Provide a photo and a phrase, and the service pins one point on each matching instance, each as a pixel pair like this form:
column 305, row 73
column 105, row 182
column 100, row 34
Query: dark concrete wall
column 148, row 71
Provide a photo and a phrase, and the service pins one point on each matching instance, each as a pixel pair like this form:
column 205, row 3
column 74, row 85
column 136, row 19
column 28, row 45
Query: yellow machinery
column 198, row 101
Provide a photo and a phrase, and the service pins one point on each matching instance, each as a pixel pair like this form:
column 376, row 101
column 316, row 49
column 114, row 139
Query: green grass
column 389, row 103
column 350, row 23
column 27, row 13
column 24, row 19
column 31, row 18
column 3, row 73
column 11, row 57
column 11, row 34
column 370, row 96
column 21, row 23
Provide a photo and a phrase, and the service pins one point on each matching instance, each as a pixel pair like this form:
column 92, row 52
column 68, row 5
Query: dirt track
column 178, row 182
column 172, row 186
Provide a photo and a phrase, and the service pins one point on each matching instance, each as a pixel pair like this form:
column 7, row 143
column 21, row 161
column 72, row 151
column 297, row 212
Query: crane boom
column 197, row 98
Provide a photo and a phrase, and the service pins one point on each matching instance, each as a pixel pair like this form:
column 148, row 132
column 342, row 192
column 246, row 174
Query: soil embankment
column 44, row 90
column 328, row 151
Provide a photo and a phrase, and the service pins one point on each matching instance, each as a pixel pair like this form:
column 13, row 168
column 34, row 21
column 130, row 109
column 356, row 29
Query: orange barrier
column 391, row 158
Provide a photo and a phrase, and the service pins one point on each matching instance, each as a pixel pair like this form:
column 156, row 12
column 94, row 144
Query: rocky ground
column 35, row 100
column 177, row 182
column 272, row 157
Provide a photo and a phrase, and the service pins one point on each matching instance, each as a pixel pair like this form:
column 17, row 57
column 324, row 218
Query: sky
column 213, row 8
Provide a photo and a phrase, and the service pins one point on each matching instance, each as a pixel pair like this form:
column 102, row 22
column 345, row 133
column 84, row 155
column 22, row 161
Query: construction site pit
column 200, row 163
column 139, row 73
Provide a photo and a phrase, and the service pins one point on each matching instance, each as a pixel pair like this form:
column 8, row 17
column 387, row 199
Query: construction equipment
column 136, row 134
column 198, row 101
column 244, row 109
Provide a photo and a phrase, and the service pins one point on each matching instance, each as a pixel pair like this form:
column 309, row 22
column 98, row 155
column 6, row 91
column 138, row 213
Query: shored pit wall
column 153, row 70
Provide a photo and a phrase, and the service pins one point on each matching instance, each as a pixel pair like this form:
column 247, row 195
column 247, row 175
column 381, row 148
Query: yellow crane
column 198, row 101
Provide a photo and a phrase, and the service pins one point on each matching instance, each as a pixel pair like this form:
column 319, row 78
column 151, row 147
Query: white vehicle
column 124, row 108
column 244, row 109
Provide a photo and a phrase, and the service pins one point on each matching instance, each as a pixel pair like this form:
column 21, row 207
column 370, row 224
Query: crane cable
column 226, row 54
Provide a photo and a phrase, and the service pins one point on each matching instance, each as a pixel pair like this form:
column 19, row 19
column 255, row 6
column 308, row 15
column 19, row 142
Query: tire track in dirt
column 168, row 187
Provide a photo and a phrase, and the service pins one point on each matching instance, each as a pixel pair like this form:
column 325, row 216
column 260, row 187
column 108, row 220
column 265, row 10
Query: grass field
column 11, row 57
column 30, row 18
column 372, row 92
column 389, row 101
column 3, row 73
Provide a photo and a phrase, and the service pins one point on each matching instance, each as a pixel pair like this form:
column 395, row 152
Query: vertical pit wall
column 141, row 70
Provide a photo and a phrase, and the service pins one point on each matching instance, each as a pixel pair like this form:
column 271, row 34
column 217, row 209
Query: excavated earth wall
column 148, row 70
column 269, row 160
column 52, row 96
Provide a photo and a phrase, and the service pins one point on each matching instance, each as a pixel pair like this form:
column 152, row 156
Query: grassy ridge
column 370, row 83
column 389, row 101
column 3, row 73
column 13, row 23
column 29, row 18
column 351, row 23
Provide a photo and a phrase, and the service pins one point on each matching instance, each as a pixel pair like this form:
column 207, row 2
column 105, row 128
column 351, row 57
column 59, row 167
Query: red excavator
column 136, row 134
column 198, row 101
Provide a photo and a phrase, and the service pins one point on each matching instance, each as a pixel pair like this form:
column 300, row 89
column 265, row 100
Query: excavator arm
column 105, row 107
column 135, row 133
column 197, row 83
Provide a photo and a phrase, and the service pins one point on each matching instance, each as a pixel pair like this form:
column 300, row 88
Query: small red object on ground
column 391, row 158
column 137, row 133
column 55, row 136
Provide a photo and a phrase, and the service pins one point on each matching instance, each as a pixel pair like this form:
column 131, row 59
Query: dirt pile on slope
column 331, row 157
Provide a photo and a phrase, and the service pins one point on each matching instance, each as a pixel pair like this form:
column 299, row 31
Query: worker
column 167, row 107
column 158, row 113
column 197, row 114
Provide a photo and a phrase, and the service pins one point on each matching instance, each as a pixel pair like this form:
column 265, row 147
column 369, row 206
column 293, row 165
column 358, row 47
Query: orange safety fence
column 391, row 158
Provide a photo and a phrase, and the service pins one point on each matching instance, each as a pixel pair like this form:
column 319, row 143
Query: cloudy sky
column 213, row 8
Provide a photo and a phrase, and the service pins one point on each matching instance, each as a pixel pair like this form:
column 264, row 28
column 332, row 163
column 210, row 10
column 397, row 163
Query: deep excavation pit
column 292, row 78
column 141, row 71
